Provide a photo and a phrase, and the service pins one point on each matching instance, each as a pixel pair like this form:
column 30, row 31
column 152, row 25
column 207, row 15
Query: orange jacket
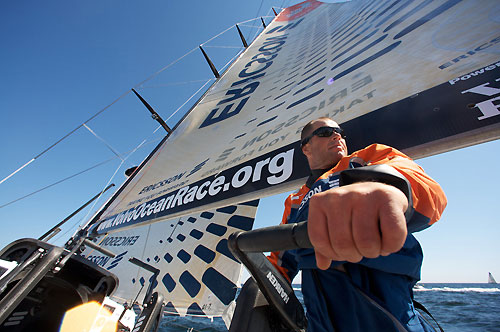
column 429, row 199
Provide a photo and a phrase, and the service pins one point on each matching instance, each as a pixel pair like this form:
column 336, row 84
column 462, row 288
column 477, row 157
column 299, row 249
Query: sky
column 65, row 63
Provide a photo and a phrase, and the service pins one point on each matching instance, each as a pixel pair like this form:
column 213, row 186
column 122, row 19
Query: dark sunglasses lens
column 339, row 131
column 328, row 131
column 325, row 132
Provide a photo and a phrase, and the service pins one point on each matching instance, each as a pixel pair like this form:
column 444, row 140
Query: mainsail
column 197, row 270
column 491, row 280
column 421, row 76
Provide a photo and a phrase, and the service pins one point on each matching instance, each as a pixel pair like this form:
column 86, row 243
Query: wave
column 457, row 290
column 422, row 288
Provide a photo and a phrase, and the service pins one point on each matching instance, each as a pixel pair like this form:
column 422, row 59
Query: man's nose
column 336, row 136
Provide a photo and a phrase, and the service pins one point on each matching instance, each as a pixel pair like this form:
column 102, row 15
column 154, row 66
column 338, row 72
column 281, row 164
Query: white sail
column 383, row 70
column 420, row 76
column 491, row 280
column 198, row 273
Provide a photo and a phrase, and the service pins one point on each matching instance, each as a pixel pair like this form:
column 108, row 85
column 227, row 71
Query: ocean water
column 456, row 307
column 462, row 307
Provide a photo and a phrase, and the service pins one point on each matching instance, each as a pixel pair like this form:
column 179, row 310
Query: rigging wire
column 109, row 181
column 107, row 184
column 247, row 25
column 256, row 15
column 74, row 175
column 102, row 140
column 164, row 68
column 257, row 31
column 189, row 99
column 96, row 114
column 283, row 3
column 95, row 202
column 84, row 124
column 60, row 235
column 173, row 84
column 123, row 159
column 112, row 103
column 116, row 171
column 57, row 182
column 66, row 136
column 253, row 24
column 194, row 94
column 223, row 46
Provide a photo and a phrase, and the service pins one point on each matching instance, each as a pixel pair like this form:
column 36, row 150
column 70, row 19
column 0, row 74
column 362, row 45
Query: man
column 360, row 275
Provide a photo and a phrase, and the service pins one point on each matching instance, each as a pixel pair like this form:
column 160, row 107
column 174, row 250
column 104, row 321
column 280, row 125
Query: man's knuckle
column 368, row 245
column 342, row 245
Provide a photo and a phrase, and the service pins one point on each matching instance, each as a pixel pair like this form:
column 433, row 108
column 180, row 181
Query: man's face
column 324, row 152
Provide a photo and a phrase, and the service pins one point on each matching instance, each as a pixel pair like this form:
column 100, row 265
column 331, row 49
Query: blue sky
column 64, row 61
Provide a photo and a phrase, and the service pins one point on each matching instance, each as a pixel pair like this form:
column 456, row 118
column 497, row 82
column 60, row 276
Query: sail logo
column 308, row 196
column 467, row 55
column 490, row 107
column 253, row 69
column 298, row 10
column 162, row 183
column 120, row 241
column 268, row 170
column 99, row 260
column 117, row 260
column 474, row 73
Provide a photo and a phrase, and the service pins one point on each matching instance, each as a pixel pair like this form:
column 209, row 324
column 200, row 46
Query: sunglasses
column 324, row 132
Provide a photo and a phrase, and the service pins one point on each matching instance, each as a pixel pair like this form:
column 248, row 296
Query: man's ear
column 305, row 150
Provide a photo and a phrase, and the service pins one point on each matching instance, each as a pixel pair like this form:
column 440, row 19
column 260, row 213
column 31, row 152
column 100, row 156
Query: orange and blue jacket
column 387, row 280
column 429, row 199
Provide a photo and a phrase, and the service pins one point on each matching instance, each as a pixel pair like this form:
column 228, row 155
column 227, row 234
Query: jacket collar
column 315, row 174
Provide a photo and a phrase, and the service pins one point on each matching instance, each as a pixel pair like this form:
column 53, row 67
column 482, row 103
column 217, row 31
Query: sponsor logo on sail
column 264, row 171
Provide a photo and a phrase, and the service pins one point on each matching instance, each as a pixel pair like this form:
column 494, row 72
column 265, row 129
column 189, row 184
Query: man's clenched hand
column 359, row 220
